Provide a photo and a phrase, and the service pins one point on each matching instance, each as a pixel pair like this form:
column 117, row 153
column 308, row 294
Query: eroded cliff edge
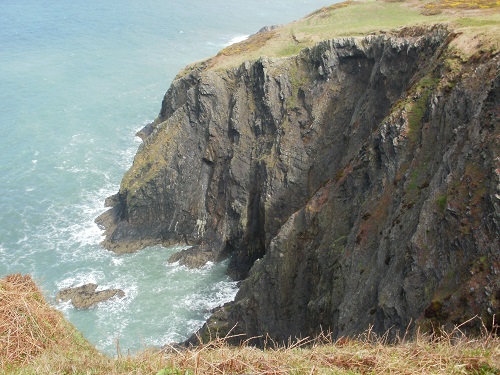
column 354, row 184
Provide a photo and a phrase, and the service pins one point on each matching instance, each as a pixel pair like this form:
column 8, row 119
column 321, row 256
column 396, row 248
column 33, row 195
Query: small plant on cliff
column 418, row 107
column 441, row 202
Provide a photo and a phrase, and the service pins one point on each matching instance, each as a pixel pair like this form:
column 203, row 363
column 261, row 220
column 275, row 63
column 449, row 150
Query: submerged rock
column 85, row 296
column 194, row 257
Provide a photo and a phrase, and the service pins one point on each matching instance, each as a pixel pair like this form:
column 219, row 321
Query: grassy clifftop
column 477, row 21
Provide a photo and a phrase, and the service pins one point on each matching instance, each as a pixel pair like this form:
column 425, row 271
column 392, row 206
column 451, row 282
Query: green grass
column 474, row 22
column 359, row 18
column 416, row 109
column 441, row 202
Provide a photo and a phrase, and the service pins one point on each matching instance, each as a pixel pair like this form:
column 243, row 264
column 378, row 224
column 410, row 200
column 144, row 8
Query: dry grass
column 367, row 354
column 28, row 325
column 364, row 355
column 36, row 339
column 30, row 329
column 253, row 43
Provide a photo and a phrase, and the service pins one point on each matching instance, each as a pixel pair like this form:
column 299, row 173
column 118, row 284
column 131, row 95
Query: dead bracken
column 28, row 325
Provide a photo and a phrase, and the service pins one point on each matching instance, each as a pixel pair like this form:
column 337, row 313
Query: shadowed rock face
column 86, row 296
column 361, row 174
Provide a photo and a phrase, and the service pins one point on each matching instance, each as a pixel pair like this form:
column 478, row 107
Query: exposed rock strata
column 363, row 175
column 86, row 296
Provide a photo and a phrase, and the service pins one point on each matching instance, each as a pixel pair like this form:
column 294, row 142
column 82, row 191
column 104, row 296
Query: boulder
column 85, row 296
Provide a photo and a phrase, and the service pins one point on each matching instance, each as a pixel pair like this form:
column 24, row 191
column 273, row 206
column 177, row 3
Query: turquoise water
column 77, row 80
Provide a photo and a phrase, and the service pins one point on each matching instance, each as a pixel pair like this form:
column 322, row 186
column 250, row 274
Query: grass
column 441, row 202
column 366, row 354
column 36, row 339
column 31, row 330
column 416, row 108
column 477, row 19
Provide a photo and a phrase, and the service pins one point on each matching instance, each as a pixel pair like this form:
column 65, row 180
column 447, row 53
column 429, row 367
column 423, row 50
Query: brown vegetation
column 28, row 325
column 452, row 353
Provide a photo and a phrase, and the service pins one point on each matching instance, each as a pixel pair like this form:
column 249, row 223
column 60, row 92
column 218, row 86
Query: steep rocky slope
column 354, row 184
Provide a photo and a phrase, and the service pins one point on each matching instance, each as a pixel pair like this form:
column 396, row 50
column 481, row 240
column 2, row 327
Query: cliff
column 356, row 183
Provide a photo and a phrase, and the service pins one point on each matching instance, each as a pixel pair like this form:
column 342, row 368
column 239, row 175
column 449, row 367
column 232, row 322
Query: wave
column 236, row 39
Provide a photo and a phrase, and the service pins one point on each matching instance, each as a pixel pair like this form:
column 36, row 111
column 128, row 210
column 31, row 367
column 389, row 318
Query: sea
column 78, row 79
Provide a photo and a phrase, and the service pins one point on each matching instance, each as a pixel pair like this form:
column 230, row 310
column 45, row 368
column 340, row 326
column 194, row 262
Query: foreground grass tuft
column 28, row 326
column 366, row 354
column 31, row 331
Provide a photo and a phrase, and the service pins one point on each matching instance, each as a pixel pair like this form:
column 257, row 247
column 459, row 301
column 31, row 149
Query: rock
column 193, row 257
column 268, row 28
column 111, row 201
column 337, row 181
column 85, row 296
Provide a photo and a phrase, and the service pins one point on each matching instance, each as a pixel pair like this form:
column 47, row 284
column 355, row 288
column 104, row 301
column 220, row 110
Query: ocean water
column 77, row 80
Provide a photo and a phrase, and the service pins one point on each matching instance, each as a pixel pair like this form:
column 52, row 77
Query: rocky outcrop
column 86, row 296
column 354, row 184
column 192, row 257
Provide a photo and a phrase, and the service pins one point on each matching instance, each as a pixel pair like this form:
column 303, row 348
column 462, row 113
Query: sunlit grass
column 359, row 18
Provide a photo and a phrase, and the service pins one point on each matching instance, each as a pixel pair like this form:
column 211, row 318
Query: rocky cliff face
column 354, row 184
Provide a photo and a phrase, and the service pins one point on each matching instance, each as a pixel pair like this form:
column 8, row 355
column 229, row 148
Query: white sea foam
column 81, row 278
column 210, row 297
column 208, row 265
column 75, row 169
column 194, row 325
column 64, row 306
column 117, row 261
column 237, row 39
column 22, row 240
column 85, row 233
column 174, row 266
